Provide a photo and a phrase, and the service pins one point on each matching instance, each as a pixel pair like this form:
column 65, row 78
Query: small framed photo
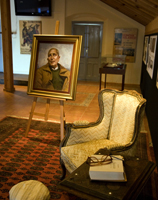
column 54, row 66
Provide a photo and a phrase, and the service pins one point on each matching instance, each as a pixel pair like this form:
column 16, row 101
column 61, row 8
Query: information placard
column 125, row 41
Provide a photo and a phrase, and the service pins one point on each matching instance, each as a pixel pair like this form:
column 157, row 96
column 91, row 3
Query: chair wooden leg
column 63, row 170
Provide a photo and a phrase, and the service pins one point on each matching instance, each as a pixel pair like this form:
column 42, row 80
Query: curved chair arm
column 78, row 132
column 75, row 133
column 138, row 121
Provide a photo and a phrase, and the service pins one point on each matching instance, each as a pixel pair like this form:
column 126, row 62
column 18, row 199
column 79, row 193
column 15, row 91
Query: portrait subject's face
column 53, row 58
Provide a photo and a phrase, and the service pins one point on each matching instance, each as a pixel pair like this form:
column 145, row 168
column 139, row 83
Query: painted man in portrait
column 52, row 76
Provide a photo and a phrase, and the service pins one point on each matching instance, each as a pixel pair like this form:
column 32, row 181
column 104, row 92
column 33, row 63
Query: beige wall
column 152, row 27
column 67, row 11
column 94, row 10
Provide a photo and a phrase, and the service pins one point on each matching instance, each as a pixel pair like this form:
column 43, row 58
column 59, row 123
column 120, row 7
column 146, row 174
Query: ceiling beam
column 141, row 8
column 142, row 11
column 129, row 11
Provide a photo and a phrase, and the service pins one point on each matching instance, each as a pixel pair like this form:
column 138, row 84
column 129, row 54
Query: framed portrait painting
column 54, row 66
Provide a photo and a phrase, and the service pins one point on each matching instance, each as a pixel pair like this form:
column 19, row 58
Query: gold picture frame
column 41, row 76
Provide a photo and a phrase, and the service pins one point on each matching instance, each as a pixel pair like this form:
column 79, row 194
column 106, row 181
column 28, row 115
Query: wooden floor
column 85, row 107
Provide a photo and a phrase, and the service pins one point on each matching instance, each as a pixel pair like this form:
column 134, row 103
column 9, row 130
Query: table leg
column 100, row 82
column 105, row 82
column 123, row 80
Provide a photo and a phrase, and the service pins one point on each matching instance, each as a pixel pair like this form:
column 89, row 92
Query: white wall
column 21, row 62
column 95, row 10
column 67, row 11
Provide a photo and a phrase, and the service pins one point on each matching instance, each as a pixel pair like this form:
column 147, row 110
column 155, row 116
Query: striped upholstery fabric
column 123, row 118
column 117, row 127
column 29, row 190
column 100, row 131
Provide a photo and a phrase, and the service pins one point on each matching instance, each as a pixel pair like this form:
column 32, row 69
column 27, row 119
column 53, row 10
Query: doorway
column 91, row 49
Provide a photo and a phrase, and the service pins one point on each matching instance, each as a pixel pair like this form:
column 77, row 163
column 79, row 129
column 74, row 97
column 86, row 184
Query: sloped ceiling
column 142, row 11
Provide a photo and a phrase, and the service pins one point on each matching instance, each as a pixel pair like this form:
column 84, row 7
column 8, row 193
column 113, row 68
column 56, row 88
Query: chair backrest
column 126, row 115
column 119, row 119
column 97, row 130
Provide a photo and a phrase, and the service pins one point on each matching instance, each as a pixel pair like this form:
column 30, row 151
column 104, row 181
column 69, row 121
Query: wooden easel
column 62, row 114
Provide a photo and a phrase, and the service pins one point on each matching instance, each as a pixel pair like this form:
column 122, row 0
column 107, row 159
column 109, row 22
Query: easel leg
column 47, row 109
column 62, row 118
column 31, row 115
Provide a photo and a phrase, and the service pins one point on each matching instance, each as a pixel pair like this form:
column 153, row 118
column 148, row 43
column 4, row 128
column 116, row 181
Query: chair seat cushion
column 74, row 155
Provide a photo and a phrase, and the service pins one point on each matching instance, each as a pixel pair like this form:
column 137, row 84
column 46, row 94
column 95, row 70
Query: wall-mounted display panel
column 151, row 55
column 146, row 50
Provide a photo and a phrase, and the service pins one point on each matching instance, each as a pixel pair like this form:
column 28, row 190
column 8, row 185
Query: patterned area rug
column 35, row 157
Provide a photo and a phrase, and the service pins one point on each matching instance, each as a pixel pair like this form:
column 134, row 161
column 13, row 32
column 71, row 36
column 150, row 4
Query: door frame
column 92, row 23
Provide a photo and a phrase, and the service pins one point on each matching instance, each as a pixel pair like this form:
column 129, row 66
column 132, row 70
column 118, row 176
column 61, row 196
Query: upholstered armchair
column 117, row 128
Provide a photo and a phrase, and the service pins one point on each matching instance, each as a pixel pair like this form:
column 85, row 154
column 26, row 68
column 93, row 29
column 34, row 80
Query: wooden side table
column 138, row 172
column 113, row 70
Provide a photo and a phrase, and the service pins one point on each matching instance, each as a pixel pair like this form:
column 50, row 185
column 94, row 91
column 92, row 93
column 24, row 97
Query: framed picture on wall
column 125, row 42
column 27, row 29
column 151, row 55
column 54, row 66
column 146, row 50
